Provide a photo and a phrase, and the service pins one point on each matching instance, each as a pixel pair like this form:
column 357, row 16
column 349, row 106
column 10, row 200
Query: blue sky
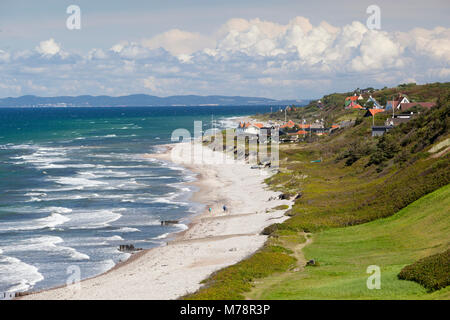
column 276, row 49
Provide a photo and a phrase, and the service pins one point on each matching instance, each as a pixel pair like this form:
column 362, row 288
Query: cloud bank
column 244, row 57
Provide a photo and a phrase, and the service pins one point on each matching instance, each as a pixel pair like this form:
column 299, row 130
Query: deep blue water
column 74, row 185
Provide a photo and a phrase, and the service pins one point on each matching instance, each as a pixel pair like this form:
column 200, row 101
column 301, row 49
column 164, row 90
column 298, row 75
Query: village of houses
column 400, row 110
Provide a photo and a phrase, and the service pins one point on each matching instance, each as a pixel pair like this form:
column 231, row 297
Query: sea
column 74, row 186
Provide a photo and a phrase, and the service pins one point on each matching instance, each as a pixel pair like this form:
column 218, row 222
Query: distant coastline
column 137, row 100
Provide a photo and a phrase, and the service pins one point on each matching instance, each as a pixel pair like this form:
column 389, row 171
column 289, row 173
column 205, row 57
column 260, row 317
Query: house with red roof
column 249, row 128
column 426, row 105
column 290, row 124
column 372, row 112
column 356, row 106
column 351, row 101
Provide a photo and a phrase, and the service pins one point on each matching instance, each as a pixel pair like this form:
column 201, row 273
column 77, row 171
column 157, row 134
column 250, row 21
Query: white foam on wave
column 181, row 186
column 53, row 220
column 61, row 210
column 19, row 275
column 161, row 177
column 101, row 166
column 46, row 243
column 36, row 194
column 34, row 199
column 47, row 158
column 111, row 173
column 20, row 146
column 94, row 219
column 69, row 197
column 43, row 157
column 77, row 181
column 125, row 230
column 59, row 189
column 114, row 238
column 107, row 265
column 167, row 199
column 181, row 226
column 162, row 236
column 150, row 222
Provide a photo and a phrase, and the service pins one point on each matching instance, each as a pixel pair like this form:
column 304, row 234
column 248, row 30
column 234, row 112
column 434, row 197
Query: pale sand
column 212, row 242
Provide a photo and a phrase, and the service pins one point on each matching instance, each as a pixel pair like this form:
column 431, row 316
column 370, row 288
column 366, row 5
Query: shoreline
column 173, row 270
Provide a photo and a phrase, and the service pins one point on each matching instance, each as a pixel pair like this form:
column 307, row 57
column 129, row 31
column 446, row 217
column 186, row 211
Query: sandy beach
column 213, row 241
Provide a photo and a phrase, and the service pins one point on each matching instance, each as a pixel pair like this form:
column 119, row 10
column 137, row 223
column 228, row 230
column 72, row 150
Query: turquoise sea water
column 74, row 186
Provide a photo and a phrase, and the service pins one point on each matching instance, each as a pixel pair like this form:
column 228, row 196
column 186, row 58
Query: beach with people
column 237, row 207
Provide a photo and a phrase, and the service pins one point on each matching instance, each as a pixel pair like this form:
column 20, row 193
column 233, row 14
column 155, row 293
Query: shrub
column 432, row 272
column 270, row 229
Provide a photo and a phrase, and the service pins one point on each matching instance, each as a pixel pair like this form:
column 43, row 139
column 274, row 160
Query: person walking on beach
column 224, row 208
column 210, row 209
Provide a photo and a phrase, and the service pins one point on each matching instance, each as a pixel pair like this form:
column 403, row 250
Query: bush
column 387, row 148
column 432, row 272
column 270, row 229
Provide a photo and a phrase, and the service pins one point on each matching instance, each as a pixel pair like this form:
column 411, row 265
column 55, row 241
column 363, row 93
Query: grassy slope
column 417, row 231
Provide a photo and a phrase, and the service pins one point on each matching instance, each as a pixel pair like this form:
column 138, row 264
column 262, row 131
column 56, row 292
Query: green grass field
column 417, row 231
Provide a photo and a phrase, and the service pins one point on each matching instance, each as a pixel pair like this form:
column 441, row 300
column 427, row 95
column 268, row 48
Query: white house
column 249, row 128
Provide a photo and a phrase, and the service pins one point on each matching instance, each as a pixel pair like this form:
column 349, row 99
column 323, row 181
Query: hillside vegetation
column 357, row 203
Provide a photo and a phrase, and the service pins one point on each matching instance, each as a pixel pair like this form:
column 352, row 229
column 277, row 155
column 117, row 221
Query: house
column 333, row 128
column 372, row 112
column 426, row 105
column 317, row 128
column 396, row 120
column 380, row 130
column 356, row 106
column 290, row 124
column 289, row 138
column 295, row 136
column 304, row 126
column 249, row 128
column 396, row 102
column 375, row 103
column 242, row 126
column 298, row 132
column 351, row 101
column 289, row 109
column 320, row 104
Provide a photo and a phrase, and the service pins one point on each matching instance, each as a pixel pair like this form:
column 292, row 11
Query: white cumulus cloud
column 48, row 47
column 251, row 57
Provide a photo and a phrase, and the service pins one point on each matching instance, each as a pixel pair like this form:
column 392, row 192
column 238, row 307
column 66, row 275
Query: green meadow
column 419, row 230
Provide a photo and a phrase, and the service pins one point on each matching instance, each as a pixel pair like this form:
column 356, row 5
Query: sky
column 275, row 49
